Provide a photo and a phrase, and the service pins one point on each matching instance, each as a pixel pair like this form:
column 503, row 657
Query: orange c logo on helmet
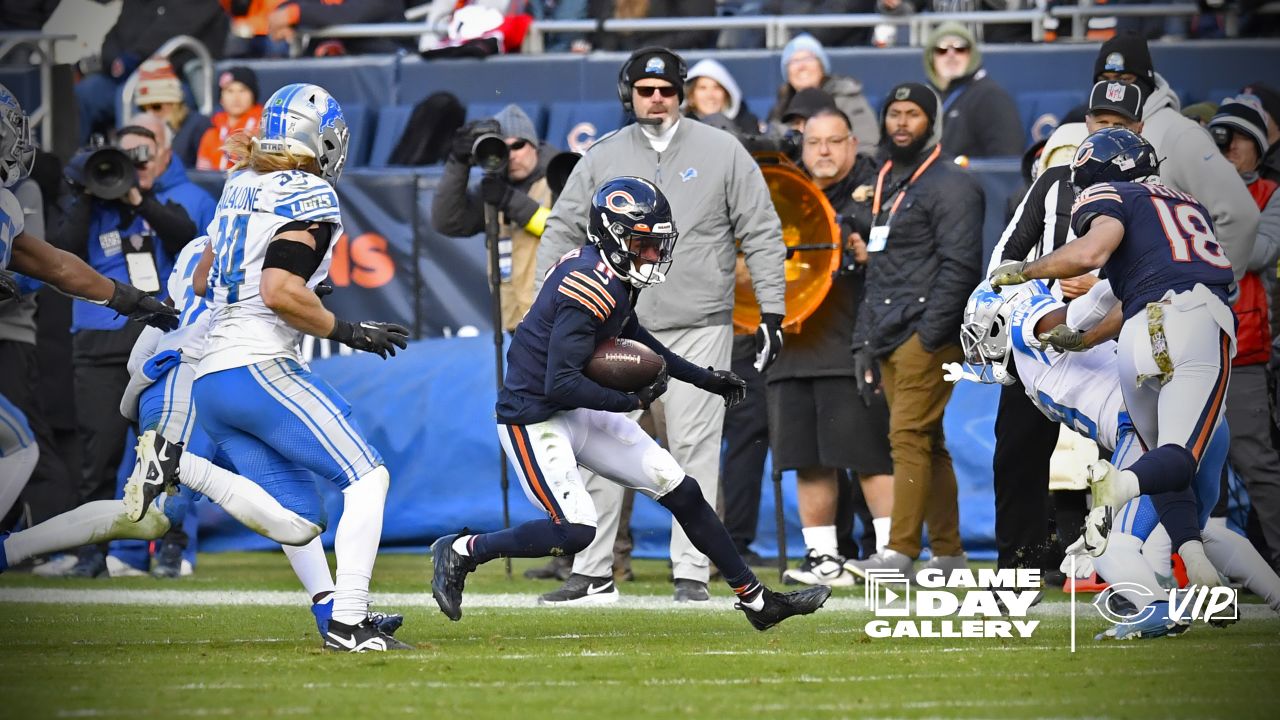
column 1083, row 154
column 620, row 201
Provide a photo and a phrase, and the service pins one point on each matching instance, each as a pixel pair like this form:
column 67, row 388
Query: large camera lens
column 490, row 152
column 109, row 173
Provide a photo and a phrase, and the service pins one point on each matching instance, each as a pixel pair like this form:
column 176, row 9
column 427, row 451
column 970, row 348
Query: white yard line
column 393, row 601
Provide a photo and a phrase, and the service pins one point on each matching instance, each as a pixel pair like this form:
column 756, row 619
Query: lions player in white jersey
column 1082, row 391
column 32, row 256
column 272, row 243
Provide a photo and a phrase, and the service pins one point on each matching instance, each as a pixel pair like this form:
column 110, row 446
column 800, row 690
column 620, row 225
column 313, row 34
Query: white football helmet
column 17, row 150
column 985, row 335
column 306, row 120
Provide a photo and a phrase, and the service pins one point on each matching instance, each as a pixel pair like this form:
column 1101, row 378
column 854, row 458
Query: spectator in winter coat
column 711, row 90
column 240, row 111
column 980, row 117
column 805, row 64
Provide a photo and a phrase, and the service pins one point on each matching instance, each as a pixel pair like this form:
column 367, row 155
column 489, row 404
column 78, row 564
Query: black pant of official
column 1025, row 440
column 99, row 363
column 52, row 489
column 746, row 443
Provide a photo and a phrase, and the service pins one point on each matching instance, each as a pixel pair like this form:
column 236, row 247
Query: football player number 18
column 1188, row 232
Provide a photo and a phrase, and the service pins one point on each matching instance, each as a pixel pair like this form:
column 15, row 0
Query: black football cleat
column 780, row 606
column 388, row 623
column 449, row 576
column 365, row 637
column 155, row 472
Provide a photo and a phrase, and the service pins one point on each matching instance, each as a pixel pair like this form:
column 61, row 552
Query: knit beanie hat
column 1127, row 53
column 241, row 74
column 516, row 124
column 807, row 42
column 1243, row 113
column 157, row 83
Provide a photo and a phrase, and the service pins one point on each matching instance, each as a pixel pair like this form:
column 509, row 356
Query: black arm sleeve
column 677, row 367
column 573, row 339
column 172, row 224
column 72, row 231
column 455, row 211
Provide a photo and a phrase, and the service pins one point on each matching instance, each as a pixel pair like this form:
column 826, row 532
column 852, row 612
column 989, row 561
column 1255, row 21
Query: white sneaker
column 886, row 559
column 118, row 568
column 56, row 566
column 818, row 569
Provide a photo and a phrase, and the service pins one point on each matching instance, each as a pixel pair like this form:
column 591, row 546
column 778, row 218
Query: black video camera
column 109, row 172
column 489, row 148
column 790, row 144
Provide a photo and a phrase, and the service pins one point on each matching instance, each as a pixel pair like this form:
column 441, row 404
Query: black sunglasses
column 665, row 91
column 517, row 145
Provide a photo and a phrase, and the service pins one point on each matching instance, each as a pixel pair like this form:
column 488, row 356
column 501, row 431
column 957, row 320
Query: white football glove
column 1097, row 527
column 1083, row 560
column 955, row 372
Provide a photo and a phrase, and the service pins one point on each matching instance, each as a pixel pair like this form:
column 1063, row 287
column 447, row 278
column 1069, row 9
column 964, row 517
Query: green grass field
column 67, row 652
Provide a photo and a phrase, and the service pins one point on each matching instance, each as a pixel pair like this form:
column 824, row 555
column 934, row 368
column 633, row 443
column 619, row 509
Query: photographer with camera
column 520, row 192
column 132, row 210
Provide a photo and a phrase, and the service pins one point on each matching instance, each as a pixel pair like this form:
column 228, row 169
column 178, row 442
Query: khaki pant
column 924, row 483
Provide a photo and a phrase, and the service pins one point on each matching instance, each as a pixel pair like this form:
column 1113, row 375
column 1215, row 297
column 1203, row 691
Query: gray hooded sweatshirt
column 1192, row 163
column 717, row 195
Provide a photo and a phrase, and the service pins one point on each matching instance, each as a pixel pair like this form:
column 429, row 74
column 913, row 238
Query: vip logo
column 1200, row 602
column 888, row 593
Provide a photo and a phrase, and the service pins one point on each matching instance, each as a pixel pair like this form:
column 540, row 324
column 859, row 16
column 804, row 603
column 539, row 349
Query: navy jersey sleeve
column 573, row 339
column 1102, row 199
column 677, row 367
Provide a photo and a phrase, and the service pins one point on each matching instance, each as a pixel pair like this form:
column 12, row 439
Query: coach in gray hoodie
column 717, row 195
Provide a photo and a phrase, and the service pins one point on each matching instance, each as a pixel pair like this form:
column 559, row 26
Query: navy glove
column 141, row 307
column 654, row 390
column 374, row 337
column 324, row 289
column 768, row 340
column 867, row 374
column 727, row 385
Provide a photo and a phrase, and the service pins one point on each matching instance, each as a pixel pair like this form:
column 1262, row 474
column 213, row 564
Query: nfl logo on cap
column 655, row 65
column 1115, row 92
column 902, row 94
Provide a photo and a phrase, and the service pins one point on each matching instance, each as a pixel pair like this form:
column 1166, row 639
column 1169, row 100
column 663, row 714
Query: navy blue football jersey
column 582, row 302
column 1168, row 244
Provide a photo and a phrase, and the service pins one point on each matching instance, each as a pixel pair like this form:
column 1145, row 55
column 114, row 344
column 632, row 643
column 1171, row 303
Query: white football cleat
column 155, row 472
column 1097, row 528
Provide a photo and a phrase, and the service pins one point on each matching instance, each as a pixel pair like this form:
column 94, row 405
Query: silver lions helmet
column 305, row 120
column 985, row 336
column 17, row 150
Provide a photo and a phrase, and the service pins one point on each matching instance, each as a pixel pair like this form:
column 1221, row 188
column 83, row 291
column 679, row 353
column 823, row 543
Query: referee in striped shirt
column 1025, row 439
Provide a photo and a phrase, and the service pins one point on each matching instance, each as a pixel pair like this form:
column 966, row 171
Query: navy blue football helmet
column 631, row 220
column 1113, row 155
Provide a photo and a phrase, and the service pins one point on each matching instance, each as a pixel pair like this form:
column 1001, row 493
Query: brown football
column 624, row 365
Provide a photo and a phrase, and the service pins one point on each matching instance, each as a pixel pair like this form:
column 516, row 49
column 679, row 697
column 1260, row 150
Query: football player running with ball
column 551, row 417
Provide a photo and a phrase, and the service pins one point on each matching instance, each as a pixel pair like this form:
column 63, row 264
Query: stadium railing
column 202, row 85
column 778, row 28
column 42, row 46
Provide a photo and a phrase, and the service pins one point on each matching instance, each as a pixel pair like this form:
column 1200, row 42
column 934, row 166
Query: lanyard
column 893, row 209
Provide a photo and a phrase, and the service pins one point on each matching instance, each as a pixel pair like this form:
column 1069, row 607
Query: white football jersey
column 243, row 330
column 12, row 221
column 193, row 320
column 1078, row 389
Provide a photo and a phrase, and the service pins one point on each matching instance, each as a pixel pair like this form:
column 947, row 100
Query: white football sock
column 1199, row 570
column 1158, row 551
column 356, row 544
column 1122, row 562
column 1236, row 557
column 311, row 566
column 15, row 470
column 881, row 526
column 246, row 501
column 89, row 524
column 822, row 540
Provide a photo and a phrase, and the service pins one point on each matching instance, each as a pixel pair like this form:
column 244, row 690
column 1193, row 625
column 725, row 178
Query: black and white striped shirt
column 1042, row 221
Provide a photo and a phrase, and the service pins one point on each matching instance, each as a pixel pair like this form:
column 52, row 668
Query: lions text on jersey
column 253, row 208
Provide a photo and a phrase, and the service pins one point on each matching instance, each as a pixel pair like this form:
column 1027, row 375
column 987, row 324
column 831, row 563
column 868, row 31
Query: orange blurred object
column 813, row 240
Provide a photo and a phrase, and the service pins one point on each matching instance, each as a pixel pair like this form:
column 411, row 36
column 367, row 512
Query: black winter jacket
column 933, row 259
column 980, row 119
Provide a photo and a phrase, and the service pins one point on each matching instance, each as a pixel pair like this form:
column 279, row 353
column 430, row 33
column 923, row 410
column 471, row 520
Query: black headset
column 624, row 87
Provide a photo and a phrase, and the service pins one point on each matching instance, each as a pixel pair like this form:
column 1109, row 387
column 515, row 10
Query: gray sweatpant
column 1251, row 453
